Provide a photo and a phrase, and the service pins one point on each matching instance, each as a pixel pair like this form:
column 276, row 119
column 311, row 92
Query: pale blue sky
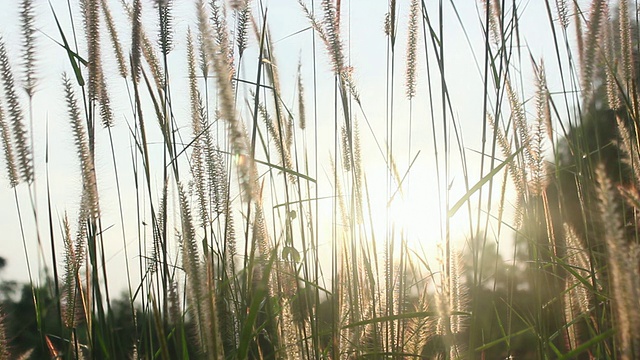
column 366, row 49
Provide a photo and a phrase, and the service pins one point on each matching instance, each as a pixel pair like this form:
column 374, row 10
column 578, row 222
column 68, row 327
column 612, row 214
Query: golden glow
column 413, row 214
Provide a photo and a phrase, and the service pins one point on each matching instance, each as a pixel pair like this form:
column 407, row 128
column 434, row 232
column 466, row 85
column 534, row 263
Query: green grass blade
column 480, row 183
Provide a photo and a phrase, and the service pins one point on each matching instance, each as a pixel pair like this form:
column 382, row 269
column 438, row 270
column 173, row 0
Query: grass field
column 320, row 179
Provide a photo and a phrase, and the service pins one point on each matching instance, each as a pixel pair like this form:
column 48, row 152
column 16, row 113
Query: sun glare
column 414, row 213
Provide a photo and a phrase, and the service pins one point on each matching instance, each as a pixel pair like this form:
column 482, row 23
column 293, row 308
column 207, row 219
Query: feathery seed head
column 115, row 41
column 627, row 70
column 346, row 149
column 97, row 83
column 578, row 258
column 104, row 102
column 243, row 12
column 198, row 157
column 594, row 28
column 194, row 95
column 563, row 13
column 387, row 24
column 542, row 123
column 347, row 77
column 622, row 266
column 136, row 38
column 203, row 62
column 72, row 313
column 200, row 278
column 27, row 18
column 91, row 16
column 542, row 100
column 495, row 20
column 20, row 138
column 302, row 116
column 328, row 31
column 332, row 30
column 82, row 146
column 218, row 56
column 629, row 148
column 7, row 146
column 165, row 38
column 222, row 37
column 610, row 55
column 149, row 53
column 190, row 254
column 521, row 137
column 412, row 45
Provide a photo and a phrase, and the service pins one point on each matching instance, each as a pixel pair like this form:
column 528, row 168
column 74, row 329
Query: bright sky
column 366, row 48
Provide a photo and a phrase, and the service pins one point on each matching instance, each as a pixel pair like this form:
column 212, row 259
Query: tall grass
column 243, row 239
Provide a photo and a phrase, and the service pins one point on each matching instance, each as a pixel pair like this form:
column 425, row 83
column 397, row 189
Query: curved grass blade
column 70, row 53
column 480, row 183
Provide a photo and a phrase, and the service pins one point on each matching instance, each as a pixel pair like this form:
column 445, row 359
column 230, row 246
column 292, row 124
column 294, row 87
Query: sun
column 414, row 212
